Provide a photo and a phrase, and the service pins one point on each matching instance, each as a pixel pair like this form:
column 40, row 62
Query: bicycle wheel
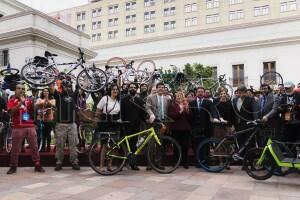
column 38, row 75
column 213, row 156
column 9, row 72
column 85, row 140
column 271, row 78
column 8, row 140
column 106, row 157
column 91, row 79
column 164, row 158
column 147, row 65
column 138, row 76
column 253, row 169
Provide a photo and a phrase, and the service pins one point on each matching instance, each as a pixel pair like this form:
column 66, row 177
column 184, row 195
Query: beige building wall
column 206, row 14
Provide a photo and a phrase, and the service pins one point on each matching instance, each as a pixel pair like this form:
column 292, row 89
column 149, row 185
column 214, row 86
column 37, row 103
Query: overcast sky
column 47, row 6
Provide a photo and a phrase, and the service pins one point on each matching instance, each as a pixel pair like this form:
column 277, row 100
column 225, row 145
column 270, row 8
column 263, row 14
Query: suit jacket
column 248, row 112
column 152, row 105
column 202, row 118
column 269, row 106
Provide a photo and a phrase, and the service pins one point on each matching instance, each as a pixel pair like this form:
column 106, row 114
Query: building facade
column 25, row 33
column 240, row 38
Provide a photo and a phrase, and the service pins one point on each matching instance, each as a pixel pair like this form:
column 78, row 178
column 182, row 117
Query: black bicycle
column 215, row 155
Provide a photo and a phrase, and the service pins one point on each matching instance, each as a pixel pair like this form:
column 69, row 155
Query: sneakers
column 58, row 167
column 12, row 170
column 39, row 168
column 75, row 167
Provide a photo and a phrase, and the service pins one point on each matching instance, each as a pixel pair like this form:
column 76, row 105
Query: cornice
column 207, row 50
column 201, row 32
column 37, row 33
column 50, row 19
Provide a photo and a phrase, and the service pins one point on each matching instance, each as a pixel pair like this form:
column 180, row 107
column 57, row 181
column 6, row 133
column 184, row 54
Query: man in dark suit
column 246, row 110
column 203, row 112
column 133, row 111
column 268, row 105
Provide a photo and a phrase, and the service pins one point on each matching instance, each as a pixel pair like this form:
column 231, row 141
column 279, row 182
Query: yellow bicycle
column 108, row 154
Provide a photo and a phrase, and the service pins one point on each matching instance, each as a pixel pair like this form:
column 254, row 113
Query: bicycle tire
column 84, row 131
column 161, row 164
column 212, row 163
column 139, row 76
column 271, row 81
column 99, row 82
column 139, row 68
column 37, row 79
column 94, row 156
column 2, row 72
column 250, row 164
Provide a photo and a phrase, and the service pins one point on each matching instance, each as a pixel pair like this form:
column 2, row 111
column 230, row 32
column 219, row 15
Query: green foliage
column 192, row 72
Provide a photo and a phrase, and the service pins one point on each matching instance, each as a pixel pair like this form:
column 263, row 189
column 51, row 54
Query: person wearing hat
column 290, row 112
column 65, row 124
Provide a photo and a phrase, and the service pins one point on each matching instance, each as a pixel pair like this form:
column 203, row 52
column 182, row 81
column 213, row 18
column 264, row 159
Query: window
column 212, row 4
column 210, row 19
column 83, row 27
column 235, row 15
column 214, row 72
column 112, row 34
column 80, row 16
column 288, row 6
column 148, row 3
column 169, row 11
column 190, row 22
column 78, row 27
column 149, row 15
column 169, row 25
column 232, row 2
column 190, row 7
column 99, row 12
column 113, row 22
column 94, row 37
column 130, row 19
column 4, row 57
column 149, row 28
column 270, row 67
column 94, row 13
column 238, row 75
column 99, row 24
column 130, row 32
column 94, row 25
column 113, row 9
column 98, row 36
column 262, row 10
column 130, row 5
column 169, row 1
column 1, row 15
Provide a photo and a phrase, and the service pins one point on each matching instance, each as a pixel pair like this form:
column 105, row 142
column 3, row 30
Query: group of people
column 191, row 116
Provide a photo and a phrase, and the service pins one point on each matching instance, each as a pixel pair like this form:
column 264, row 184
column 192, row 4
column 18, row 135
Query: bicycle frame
column 269, row 148
column 126, row 139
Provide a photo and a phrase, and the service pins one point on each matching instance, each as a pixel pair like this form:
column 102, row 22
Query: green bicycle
column 260, row 163
column 108, row 154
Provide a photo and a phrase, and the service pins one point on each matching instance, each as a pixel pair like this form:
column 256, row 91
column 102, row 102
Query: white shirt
column 239, row 103
column 113, row 106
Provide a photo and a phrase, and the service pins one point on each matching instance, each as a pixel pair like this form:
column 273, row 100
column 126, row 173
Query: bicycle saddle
column 48, row 54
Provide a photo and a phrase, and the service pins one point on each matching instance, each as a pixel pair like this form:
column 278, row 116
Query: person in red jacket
column 180, row 127
column 21, row 111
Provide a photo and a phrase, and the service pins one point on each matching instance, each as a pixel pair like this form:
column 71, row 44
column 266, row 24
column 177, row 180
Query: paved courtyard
column 143, row 185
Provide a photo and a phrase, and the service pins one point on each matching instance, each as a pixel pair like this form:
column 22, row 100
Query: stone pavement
column 182, row 184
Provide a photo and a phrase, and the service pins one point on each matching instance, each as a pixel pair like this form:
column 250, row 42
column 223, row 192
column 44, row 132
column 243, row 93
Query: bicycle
column 125, row 72
column 85, row 131
column 40, row 72
column 214, row 155
column 6, row 126
column 260, row 163
column 116, row 152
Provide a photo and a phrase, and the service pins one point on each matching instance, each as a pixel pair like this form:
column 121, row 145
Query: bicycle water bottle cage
column 40, row 61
